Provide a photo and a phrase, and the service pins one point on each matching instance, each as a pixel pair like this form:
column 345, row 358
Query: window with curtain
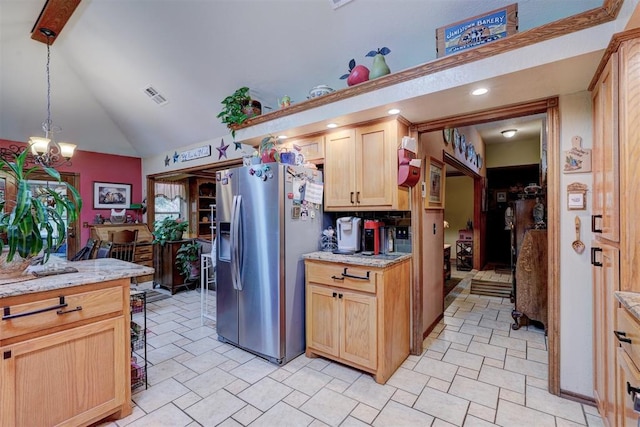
column 171, row 200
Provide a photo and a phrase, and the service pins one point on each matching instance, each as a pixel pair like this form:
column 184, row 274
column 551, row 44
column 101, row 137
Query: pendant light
column 46, row 151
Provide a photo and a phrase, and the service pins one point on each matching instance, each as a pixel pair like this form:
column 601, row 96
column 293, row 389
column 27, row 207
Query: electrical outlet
column 402, row 233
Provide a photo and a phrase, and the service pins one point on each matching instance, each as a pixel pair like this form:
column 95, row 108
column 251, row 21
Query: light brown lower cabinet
column 67, row 365
column 627, row 368
column 358, row 315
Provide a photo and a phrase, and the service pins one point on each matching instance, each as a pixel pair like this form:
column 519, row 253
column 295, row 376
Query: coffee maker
column 348, row 228
column 372, row 228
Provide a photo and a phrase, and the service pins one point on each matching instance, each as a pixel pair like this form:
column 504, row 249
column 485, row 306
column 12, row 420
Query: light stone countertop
column 89, row 271
column 377, row 261
column 631, row 301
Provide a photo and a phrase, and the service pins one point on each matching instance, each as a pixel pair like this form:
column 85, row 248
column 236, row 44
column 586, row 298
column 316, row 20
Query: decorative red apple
column 357, row 73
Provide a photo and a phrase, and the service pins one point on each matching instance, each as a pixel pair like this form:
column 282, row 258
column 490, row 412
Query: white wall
column 576, row 328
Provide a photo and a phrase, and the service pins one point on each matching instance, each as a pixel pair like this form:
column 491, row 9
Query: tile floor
column 474, row 371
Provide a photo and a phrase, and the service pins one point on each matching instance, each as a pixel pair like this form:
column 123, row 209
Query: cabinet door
column 340, row 170
column 358, row 334
column 628, row 377
column 376, row 176
column 311, row 148
column 73, row 377
column 605, row 153
column 605, row 282
column 322, row 319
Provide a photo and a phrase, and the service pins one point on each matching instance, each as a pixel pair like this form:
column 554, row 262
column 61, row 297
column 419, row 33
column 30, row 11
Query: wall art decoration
column 577, row 159
column 435, row 184
column 111, row 195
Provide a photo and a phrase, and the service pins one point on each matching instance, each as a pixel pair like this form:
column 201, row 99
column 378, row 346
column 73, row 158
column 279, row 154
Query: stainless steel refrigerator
column 264, row 226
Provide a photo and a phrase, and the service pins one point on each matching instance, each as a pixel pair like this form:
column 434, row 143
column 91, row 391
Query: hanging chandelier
column 46, row 151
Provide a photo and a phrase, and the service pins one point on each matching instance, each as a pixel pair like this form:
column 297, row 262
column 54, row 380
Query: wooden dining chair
column 104, row 249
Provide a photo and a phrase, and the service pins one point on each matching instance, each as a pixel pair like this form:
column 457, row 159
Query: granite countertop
column 631, row 301
column 89, row 271
column 378, row 261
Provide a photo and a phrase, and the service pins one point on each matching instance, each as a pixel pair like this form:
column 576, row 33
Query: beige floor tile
column 433, row 355
column 247, row 415
column 561, row 422
column 494, row 324
column 594, row 421
column 158, row 396
column 329, row 407
column 210, row 382
column 404, row 397
column 536, row 355
column 307, row 380
column 254, row 370
column 493, row 362
column 469, row 373
column 537, row 382
column 237, row 386
column 473, row 421
column 342, row 372
column 187, row 400
column 337, row 385
column 164, row 339
column 461, row 358
column 476, row 330
column 407, row 380
column 167, row 416
column 395, row 414
column 439, row 384
column 239, row 355
column 512, row 396
column 487, row 350
column 265, row 393
column 201, row 346
column 508, row 342
column 527, row 367
column 161, row 354
column 483, row 340
column 510, row 414
column 554, row 405
column 501, row 378
column 523, row 334
column 482, row 412
column 229, row 422
column 296, row 398
column 283, row 415
column 164, row 370
column 436, row 368
column 517, row 353
column 367, row 391
column 135, row 414
column 318, row 364
column 442, row 405
column 205, row 361
column 365, row 413
column 459, row 347
column 280, row 375
column 353, row 422
column 475, row 391
column 214, row 409
column 455, row 337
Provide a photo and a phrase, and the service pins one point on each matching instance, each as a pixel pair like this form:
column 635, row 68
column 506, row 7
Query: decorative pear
column 379, row 67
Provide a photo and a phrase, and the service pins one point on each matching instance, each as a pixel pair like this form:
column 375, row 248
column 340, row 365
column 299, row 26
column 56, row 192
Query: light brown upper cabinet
column 361, row 168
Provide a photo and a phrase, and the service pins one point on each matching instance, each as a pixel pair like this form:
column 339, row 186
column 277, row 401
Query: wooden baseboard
column 578, row 397
column 433, row 325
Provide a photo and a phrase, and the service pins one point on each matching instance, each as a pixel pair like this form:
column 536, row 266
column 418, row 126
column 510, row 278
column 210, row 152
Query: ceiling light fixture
column 509, row 133
column 45, row 150
column 332, row 125
column 393, row 111
column 479, row 91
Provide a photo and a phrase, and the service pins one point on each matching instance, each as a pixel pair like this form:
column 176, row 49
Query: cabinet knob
column 593, row 257
column 593, row 224
column 335, row 294
column 622, row 336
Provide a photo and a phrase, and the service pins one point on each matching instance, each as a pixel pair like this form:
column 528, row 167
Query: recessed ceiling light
column 509, row 133
column 479, row 91
column 332, row 125
column 282, row 137
column 393, row 111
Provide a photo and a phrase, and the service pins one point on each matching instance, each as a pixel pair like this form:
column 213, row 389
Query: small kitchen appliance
column 348, row 234
column 372, row 230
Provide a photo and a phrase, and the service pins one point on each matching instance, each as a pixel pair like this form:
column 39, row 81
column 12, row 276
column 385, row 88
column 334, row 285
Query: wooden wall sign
column 577, row 196
column 477, row 30
column 577, row 159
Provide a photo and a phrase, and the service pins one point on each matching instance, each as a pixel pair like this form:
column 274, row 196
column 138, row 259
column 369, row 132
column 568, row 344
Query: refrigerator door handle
column 235, row 243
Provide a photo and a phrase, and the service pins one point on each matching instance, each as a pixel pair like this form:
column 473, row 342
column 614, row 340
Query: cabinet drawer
column 46, row 314
column 628, row 328
column 340, row 275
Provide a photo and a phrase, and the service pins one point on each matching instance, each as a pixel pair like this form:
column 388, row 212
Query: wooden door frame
column 548, row 106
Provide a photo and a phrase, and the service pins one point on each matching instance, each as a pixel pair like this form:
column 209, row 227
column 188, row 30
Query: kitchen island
column 358, row 310
column 65, row 345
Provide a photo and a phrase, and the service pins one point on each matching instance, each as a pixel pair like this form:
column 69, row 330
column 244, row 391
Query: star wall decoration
column 167, row 160
column 222, row 150
column 238, row 145
column 176, row 156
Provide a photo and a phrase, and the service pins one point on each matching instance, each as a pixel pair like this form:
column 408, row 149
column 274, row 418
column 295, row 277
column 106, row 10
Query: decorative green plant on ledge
column 234, row 114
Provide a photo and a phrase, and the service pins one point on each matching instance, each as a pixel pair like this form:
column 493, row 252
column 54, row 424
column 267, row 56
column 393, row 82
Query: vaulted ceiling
column 194, row 53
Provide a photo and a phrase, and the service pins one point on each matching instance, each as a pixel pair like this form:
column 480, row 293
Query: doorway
column 550, row 176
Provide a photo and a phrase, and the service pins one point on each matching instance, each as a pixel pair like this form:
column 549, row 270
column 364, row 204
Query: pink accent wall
column 103, row 168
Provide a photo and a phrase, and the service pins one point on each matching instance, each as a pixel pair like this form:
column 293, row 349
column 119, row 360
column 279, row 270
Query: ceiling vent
column 155, row 96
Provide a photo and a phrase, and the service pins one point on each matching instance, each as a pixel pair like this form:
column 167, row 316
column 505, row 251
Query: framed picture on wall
column 111, row 195
column 501, row 196
column 435, row 184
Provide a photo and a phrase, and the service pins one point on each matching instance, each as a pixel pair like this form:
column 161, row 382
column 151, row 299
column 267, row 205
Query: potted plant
column 188, row 260
column 238, row 107
column 34, row 223
column 168, row 230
